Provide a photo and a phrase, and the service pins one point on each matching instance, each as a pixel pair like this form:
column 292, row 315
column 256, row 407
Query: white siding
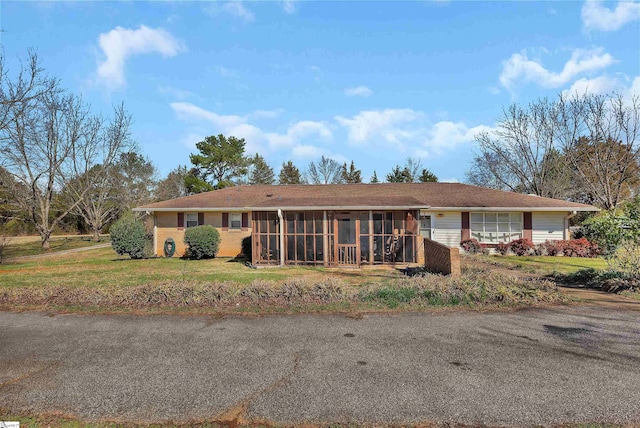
column 448, row 228
column 547, row 226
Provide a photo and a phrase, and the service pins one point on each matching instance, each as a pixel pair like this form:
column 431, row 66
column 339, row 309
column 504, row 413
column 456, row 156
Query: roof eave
column 283, row 208
column 490, row 209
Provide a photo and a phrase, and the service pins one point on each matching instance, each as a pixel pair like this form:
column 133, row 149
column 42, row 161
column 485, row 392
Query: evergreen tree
column 351, row 175
column 220, row 163
column 427, row 176
column 399, row 175
column 374, row 178
column 289, row 174
column 261, row 172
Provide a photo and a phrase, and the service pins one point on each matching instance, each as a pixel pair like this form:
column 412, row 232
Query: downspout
column 566, row 222
column 281, row 220
column 155, row 233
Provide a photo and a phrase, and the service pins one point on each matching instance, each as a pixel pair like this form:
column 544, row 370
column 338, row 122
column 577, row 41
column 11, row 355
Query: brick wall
column 167, row 227
column 440, row 258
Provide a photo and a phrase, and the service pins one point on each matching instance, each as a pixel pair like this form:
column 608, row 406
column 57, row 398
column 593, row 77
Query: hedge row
column 524, row 247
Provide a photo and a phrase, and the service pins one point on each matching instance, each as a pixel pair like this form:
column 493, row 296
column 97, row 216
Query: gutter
column 302, row 208
column 367, row 208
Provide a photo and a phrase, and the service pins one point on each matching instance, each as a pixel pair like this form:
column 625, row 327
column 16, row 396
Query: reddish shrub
column 553, row 248
column 521, row 247
column 502, row 248
column 472, row 246
column 580, row 248
column 573, row 248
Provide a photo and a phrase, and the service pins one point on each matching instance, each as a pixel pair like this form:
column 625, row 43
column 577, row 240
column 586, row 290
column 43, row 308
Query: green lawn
column 99, row 280
column 32, row 248
column 103, row 267
column 548, row 264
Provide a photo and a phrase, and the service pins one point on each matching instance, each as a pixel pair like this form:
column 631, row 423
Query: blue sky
column 373, row 82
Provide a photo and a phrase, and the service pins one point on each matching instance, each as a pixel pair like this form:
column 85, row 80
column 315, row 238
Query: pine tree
column 351, row 175
column 427, row 176
column 261, row 172
column 374, row 178
column 289, row 174
column 399, row 175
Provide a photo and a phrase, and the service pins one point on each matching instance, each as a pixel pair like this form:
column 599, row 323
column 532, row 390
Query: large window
column 235, row 221
column 491, row 228
column 192, row 219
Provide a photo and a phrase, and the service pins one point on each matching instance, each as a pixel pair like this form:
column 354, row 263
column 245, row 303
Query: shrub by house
column 203, row 242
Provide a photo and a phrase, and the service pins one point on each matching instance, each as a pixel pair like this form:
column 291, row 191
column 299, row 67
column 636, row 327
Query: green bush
column 202, row 242
column 128, row 236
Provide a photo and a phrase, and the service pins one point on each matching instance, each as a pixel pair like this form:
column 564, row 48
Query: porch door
column 346, row 250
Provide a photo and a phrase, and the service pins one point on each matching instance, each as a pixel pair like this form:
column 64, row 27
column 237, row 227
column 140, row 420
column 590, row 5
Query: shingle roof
column 407, row 195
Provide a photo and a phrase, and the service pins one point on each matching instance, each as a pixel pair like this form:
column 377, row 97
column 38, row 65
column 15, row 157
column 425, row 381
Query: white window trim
column 498, row 240
column 186, row 219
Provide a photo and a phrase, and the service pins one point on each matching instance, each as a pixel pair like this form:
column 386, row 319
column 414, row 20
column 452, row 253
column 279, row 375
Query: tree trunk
column 96, row 235
column 45, row 242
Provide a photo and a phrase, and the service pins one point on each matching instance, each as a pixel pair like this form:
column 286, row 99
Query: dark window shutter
column 466, row 230
column 200, row 219
column 180, row 220
column 245, row 221
column 225, row 221
column 527, row 233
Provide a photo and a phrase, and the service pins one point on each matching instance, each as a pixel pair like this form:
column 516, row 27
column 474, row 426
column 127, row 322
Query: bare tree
column 172, row 186
column 325, row 171
column 599, row 136
column 522, row 154
column 50, row 144
column 29, row 83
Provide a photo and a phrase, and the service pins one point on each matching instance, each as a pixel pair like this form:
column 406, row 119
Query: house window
column 192, row 219
column 235, row 221
column 491, row 228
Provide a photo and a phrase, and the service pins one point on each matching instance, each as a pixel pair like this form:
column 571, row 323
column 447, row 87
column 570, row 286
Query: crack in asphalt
column 28, row 375
column 236, row 414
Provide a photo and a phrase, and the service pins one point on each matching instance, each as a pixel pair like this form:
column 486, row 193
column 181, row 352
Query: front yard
column 546, row 265
column 99, row 280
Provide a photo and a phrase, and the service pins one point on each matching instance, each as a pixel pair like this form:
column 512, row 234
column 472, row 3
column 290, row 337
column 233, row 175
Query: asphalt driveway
column 535, row 366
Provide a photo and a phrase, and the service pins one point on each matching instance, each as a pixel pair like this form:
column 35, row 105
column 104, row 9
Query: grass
column 99, row 281
column 547, row 264
column 16, row 248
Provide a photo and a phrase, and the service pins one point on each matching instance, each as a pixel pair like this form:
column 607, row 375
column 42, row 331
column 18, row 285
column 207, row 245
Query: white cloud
column 520, row 68
column 120, row 43
column 595, row 16
column 307, row 152
column 390, row 125
column 289, row 6
column 448, row 135
column 635, row 87
column 298, row 131
column 598, row 85
column 257, row 139
column 234, row 8
column 358, row 91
